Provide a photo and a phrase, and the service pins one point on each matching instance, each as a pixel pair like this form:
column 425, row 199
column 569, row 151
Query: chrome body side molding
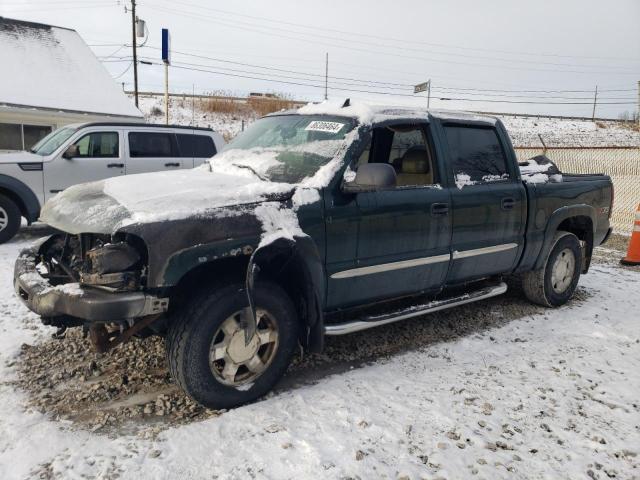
column 385, row 267
column 483, row 251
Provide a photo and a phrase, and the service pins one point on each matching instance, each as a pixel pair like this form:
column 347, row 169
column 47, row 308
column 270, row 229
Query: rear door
column 100, row 156
column 394, row 242
column 153, row 151
column 195, row 148
column 488, row 202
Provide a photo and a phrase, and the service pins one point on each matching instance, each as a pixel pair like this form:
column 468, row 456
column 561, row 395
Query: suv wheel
column 554, row 284
column 9, row 219
column 206, row 347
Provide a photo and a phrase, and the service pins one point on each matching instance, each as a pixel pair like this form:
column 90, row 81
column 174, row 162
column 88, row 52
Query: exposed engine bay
column 96, row 260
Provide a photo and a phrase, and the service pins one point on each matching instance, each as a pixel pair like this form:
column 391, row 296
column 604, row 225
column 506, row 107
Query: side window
column 199, row 146
column 407, row 148
column 476, row 155
column 151, row 144
column 98, row 145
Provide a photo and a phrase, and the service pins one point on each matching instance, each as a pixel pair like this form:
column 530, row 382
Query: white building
column 50, row 78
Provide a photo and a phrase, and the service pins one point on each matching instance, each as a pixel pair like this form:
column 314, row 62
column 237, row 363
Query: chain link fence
column 622, row 164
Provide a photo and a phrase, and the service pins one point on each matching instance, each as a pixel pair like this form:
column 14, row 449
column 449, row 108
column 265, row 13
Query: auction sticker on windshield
column 320, row 126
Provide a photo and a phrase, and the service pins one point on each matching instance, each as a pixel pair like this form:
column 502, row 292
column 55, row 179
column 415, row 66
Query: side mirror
column 71, row 151
column 371, row 177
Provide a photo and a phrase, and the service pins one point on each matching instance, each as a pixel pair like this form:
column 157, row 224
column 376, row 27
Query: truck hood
column 20, row 157
column 108, row 205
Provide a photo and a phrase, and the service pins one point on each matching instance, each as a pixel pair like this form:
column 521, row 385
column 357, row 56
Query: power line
column 403, row 41
column 347, row 47
column 237, row 75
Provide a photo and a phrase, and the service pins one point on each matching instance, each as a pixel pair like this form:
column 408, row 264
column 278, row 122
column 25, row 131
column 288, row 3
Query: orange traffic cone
column 633, row 253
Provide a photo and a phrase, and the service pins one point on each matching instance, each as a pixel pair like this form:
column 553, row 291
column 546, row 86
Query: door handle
column 115, row 165
column 439, row 209
column 172, row 164
column 508, row 203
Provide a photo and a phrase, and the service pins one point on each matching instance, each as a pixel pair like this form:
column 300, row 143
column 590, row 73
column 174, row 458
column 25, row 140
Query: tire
column 207, row 320
column 552, row 288
column 10, row 217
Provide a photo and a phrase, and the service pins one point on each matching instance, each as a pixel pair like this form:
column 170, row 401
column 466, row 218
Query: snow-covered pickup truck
column 85, row 152
column 322, row 221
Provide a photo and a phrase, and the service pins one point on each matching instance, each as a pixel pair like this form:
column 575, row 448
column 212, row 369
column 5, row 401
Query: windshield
column 287, row 148
column 51, row 142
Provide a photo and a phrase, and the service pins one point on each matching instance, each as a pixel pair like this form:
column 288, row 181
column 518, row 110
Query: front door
column 394, row 242
column 99, row 156
column 488, row 203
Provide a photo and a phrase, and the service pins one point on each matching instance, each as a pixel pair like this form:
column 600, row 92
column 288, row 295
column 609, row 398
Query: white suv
column 93, row 151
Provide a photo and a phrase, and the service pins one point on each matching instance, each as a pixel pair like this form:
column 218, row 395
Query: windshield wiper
column 251, row 169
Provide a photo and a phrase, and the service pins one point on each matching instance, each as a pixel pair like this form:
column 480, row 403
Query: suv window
column 407, row 149
column 476, row 154
column 199, row 146
column 151, row 144
column 98, row 145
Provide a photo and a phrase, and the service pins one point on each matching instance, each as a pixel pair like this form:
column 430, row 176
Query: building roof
column 51, row 67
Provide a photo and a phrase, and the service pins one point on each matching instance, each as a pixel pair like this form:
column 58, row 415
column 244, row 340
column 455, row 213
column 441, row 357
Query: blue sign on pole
column 166, row 48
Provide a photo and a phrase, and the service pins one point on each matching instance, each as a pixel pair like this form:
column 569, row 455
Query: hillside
column 524, row 131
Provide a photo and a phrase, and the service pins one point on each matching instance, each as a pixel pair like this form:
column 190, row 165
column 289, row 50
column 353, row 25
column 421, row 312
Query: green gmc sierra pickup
column 321, row 221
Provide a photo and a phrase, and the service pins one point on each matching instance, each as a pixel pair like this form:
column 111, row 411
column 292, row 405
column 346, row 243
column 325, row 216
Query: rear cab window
column 476, row 155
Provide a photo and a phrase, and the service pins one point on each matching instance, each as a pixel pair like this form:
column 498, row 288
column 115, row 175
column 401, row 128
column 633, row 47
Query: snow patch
column 463, row 180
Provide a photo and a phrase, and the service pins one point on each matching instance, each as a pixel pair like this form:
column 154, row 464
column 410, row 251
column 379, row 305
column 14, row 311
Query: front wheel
column 9, row 219
column 555, row 283
column 207, row 353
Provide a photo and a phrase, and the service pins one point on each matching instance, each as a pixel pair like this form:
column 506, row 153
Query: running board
column 414, row 311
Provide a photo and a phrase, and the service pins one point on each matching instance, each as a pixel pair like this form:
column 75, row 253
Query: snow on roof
column 53, row 68
column 367, row 113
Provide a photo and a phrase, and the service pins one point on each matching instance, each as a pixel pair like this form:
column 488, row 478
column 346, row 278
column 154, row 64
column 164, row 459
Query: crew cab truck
column 80, row 153
column 321, row 221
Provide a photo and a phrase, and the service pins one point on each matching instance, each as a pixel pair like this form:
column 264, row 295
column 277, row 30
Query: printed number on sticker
column 329, row 127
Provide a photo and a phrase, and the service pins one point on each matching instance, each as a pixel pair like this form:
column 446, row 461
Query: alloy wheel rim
column 4, row 219
column 235, row 363
column 563, row 270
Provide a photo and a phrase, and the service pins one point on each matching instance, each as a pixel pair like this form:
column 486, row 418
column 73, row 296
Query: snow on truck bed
column 548, row 395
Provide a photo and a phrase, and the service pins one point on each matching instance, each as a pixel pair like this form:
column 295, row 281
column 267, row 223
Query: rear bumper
column 85, row 303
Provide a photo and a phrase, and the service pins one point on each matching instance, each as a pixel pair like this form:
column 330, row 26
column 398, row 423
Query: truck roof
column 370, row 113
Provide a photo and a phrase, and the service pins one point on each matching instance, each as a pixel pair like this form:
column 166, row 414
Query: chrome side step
column 414, row 311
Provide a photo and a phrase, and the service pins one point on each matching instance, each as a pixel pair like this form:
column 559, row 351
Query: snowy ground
column 535, row 394
column 524, row 131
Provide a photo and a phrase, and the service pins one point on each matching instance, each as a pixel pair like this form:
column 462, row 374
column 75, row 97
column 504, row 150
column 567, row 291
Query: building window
column 32, row 134
column 16, row 136
column 10, row 136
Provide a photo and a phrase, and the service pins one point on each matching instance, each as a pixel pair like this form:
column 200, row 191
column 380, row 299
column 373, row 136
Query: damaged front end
column 91, row 280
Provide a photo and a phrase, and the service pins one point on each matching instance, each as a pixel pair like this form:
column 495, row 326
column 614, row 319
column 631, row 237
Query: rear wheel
column 555, row 283
column 207, row 353
column 9, row 219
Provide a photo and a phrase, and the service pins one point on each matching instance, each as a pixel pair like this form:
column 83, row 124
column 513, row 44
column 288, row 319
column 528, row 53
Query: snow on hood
column 107, row 205
column 20, row 157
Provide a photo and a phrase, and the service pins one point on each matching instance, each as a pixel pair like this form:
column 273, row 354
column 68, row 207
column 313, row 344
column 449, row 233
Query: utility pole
column 326, row 76
column 638, row 102
column 428, row 93
column 135, row 55
column 595, row 99
column 166, row 94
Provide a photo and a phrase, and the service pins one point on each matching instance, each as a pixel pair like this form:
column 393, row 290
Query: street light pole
column 135, row 55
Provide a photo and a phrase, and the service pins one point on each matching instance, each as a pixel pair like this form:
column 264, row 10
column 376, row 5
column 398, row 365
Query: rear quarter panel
column 551, row 203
